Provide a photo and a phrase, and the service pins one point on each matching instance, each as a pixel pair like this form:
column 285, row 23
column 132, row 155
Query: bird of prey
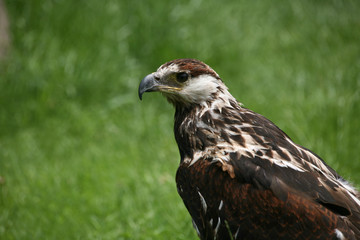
column 240, row 176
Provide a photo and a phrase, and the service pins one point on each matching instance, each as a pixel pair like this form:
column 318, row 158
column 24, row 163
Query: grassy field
column 82, row 158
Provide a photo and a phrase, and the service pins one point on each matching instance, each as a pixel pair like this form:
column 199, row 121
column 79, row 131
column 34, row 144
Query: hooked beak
column 148, row 84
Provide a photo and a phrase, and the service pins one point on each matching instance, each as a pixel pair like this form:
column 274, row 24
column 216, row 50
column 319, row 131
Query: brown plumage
column 240, row 176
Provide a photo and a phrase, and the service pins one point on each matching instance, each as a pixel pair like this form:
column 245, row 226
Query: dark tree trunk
column 4, row 31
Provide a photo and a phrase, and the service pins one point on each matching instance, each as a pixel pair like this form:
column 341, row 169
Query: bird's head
column 184, row 82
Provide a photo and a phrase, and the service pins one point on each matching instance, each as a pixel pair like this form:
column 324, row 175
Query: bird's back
column 247, row 179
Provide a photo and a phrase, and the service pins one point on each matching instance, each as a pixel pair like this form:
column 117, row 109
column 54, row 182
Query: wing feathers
column 282, row 181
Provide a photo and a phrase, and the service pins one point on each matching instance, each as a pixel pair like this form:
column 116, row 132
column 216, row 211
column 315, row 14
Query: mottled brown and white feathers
column 240, row 176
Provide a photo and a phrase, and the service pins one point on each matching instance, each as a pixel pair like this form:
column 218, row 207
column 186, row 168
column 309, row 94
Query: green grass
column 82, row 158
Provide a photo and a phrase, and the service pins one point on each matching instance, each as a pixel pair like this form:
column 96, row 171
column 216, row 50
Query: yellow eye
column 182, row 77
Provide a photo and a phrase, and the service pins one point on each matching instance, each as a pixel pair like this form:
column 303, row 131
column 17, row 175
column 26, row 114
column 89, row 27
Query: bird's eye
column 182, row 77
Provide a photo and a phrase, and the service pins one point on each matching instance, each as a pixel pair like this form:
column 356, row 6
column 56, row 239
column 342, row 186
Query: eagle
column 240, row 176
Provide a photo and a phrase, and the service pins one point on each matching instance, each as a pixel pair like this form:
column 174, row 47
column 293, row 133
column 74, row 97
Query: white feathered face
column 183, row 81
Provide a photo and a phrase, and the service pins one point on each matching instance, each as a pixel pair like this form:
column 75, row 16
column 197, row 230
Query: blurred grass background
column 82, row 158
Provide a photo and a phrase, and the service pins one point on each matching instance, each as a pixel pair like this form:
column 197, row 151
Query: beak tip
column 146, row 85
